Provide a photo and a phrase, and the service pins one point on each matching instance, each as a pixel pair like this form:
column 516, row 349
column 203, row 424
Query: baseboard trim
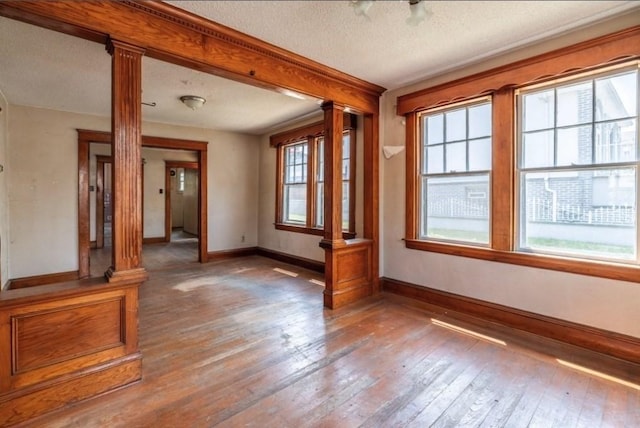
column 594, row 339
column 49, row 278
column 302, row 262
column 154, row 240
column 231, row 254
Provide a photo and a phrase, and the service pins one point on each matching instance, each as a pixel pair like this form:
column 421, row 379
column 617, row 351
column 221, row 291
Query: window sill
column 310, row 230
column 608, row 270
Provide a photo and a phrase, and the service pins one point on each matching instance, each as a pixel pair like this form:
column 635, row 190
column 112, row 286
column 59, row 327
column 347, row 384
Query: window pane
column 480, row 154
column 434, row 129
column 320, row 155
column 538, row 149
column 575, row 104
column 345, row 206
column 295, row 203
column 574, row 146
column 435, row 161
column 590, row 213
column 480, row 121
column 456, row 208
column 456, row 157
column 616, row 141
column 538, row 110
column 320, row 205
column 616, row 96
column 456, row 125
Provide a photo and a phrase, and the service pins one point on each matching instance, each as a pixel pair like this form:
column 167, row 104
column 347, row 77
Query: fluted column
column 126, row 113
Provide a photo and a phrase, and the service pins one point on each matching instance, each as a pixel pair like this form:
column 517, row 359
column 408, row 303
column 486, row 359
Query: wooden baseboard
column 594, row 339
column 292, row 260
column 233, row 253
column 154, row 240
column 50, row 278
column 93, row 245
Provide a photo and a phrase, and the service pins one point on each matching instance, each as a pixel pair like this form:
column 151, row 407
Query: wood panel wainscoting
column 66, row 342
column 594, row 339
column 348, row 272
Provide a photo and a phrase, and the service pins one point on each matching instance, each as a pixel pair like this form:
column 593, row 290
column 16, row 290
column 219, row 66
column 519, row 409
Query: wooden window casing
column 501, row 85
column 312, row 134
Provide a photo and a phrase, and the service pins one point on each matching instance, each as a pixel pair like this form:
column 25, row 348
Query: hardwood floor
column 236, row 343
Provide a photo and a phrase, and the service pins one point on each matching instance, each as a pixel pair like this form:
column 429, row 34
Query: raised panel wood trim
column 348, row 271
column 41, row 370
column 606, row 342
column 51, row 328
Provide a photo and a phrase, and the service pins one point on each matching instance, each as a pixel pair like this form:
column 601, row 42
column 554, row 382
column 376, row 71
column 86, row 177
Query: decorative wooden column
column 126, row 113
column 347, row 274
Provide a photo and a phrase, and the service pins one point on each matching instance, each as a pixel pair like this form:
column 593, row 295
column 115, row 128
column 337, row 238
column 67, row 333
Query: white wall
column 43, row 187
column 4, row 201
column 607, row 304
column 231, row 186
column 154, row 170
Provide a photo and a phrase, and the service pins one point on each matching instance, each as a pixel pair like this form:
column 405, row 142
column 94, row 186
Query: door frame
column 101, row 160
column 168, row 166
column 85, row 138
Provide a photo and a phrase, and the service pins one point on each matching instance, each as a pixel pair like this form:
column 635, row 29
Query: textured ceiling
column 42, row 68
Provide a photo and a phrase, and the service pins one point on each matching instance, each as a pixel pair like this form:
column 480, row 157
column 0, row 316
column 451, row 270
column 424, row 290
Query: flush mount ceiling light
column 194, row 102
column 418, row 9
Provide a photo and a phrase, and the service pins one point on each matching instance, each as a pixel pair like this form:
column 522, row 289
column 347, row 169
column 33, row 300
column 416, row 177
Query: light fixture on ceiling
column 418, row 9
column 194, row 102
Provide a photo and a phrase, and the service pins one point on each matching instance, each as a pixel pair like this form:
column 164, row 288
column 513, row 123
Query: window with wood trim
column 455, row 163
column 300, row 178
column 578, row 166
column 563, row 186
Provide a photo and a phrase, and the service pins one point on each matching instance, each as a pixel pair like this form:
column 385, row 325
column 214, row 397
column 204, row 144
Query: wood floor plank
column 234, row 343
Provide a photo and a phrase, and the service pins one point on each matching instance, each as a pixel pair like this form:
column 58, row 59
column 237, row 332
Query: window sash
column 563, row 218
column 447, row 214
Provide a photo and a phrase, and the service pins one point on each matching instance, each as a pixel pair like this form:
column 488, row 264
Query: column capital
column 113, row 44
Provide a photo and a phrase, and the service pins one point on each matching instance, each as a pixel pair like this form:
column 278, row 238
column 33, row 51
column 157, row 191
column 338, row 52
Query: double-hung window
column 578, row 166
column 300, row 179
column 455, row 164
column 534, row 163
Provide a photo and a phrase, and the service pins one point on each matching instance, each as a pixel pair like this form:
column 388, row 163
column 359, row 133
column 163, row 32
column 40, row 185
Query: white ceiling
column 42, row 68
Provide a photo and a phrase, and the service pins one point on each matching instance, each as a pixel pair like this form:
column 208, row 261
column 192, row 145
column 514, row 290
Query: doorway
column 181, row 201
column 87, row 138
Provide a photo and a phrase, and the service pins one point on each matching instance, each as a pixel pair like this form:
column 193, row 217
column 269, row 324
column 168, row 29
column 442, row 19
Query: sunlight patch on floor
column 598, row 374
column 468, row 332
column 192, row 284
column 317, row 282
column 286, row 272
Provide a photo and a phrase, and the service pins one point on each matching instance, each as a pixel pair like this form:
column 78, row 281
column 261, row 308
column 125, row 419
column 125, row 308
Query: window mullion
column 503, row 155
column 311, row 182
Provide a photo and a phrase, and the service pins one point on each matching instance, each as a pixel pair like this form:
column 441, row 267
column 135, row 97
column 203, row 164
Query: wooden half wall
column 64, row 343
